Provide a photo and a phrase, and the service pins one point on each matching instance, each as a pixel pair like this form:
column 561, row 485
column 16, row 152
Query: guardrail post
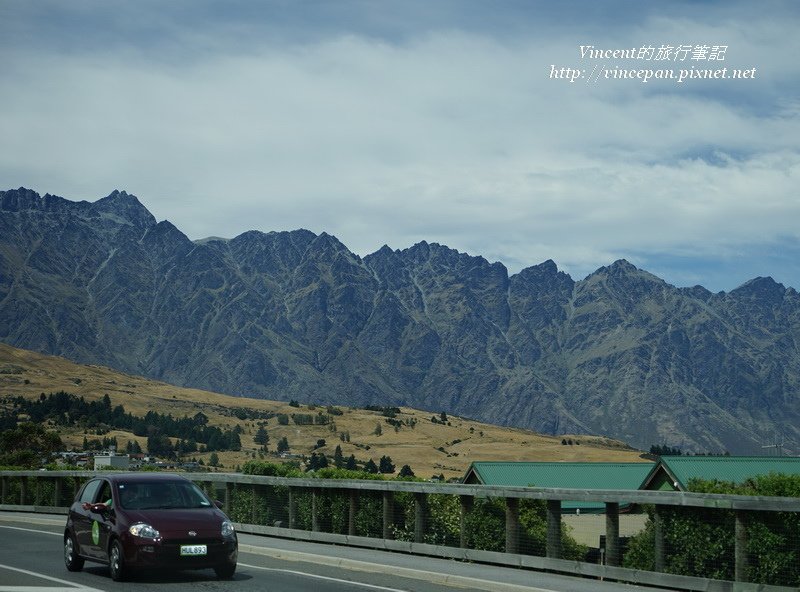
column 512, row 525
column 209, row 489
column 554, row 529
column 227, row 501
column 57, row 492
column 467, row 501
column 315, row 493
column 420, row 516
column 351, row 514
column 658, row 530
column 740, row 550
column 388, row 514
column 23, row 490
column 292, row 507
column 254, row 503
column 612, row 534
column 3, row 489
column 37, row 492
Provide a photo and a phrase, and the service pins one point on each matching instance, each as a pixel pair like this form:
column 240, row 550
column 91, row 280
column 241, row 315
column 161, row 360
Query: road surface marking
column 318, row 577
column 72, row 586
column 58, row 534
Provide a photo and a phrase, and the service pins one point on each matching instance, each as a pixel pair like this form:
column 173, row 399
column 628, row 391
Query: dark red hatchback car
column 148, row 520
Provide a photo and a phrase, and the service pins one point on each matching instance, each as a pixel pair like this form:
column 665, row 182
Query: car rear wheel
column 226, row 571
column 116, row 562
column 71, row 558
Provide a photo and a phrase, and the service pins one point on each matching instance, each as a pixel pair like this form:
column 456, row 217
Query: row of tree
column 66, row 409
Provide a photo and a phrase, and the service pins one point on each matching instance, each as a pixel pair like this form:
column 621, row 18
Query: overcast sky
column 394, row 122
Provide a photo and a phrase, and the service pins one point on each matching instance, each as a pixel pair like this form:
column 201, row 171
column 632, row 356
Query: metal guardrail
column 30, row 488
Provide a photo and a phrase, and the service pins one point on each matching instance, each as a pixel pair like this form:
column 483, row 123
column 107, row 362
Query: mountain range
column 296, row 315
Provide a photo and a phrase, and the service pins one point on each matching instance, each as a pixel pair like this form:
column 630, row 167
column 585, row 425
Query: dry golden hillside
column 429, row 448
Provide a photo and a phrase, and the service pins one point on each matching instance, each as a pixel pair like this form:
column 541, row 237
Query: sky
column 455, row 122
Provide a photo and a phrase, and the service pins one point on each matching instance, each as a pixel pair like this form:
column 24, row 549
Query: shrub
column 701, row 542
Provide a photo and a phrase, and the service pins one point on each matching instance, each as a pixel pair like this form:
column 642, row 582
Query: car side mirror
column 219, row 504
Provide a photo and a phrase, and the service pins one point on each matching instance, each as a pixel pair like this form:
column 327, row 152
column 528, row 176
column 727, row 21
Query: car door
column 82, row 518
column 102, row 521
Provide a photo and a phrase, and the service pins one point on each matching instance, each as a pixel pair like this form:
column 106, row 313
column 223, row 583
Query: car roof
column 141, row 477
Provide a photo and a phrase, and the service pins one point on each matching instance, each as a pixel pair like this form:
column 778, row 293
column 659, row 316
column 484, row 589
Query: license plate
column 193, row 550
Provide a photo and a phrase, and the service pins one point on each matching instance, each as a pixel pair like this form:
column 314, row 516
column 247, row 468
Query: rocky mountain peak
column 15, row 200
column 546, row 272
column 621, row 267
column 762, row 289
column 126, row 208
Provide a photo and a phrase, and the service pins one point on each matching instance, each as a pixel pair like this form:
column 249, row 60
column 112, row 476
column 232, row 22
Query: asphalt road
column 31, row 560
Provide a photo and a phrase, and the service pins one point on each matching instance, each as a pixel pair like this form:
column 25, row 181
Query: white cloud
column 453, row 137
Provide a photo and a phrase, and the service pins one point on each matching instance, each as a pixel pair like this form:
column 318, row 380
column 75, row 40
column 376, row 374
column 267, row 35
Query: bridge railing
column 679, row 540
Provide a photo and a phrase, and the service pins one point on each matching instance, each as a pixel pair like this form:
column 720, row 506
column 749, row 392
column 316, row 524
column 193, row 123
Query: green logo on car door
column 95, row 532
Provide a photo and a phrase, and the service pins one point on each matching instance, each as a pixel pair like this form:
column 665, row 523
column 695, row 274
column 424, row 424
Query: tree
column 406, row 472
column 234, row 442
column 28, row 445
column 213, row 460
column 133, row 447
column 378, row 430
column 317, row 462
column 283, row 445
column 351, row 464
column 443, row 417
column 338, row 458
column 261, row 437
column 371, row 467
column 159, row 445
column 386, row 465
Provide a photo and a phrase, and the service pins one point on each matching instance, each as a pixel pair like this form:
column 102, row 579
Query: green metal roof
column 736, row 469
column 566, row 475
column 563, row 475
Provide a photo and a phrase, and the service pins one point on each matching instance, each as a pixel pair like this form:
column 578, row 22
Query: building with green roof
column 675, row 472
column 562, row 475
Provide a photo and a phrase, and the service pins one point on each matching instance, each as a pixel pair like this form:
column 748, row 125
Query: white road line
column 318, row 577
column 72, row 586
column 451, row 580
column 58, row 534
column 39, row 589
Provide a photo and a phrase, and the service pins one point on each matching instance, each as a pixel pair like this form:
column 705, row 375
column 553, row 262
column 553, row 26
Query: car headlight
column 227, row 529
column 144, row 530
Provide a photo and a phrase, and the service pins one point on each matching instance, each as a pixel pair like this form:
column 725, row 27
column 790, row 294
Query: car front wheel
column 116, row 562
column 226, row 571
column 71, row 558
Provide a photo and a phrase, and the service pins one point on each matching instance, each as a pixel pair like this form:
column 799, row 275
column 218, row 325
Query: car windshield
column 161, row 495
